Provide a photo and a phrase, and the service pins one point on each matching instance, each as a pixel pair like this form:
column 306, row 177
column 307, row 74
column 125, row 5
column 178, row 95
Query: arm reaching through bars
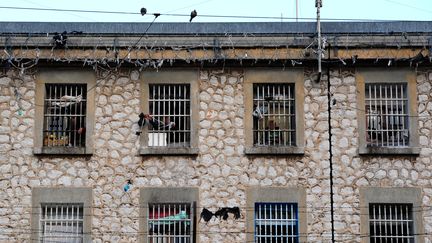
column 147, row 119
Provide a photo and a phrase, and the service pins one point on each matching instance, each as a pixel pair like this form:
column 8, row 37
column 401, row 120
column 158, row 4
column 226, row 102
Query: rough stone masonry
column 221, row 170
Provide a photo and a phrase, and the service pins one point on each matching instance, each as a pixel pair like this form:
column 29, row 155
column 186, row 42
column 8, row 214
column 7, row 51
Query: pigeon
column 193, row 15
column 143, row 11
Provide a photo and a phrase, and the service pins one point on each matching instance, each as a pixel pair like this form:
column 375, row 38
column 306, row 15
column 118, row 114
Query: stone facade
column 221, row 171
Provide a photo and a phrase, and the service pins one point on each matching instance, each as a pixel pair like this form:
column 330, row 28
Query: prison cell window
column 391, row 222
column 387, row 116
column 276, row 222
column 61, row 222
column 274, row 115
column 170, row 112
column 170, row 222
column 64, row 115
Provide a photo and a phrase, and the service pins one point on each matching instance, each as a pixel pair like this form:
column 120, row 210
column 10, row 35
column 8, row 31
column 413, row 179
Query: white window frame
column 393, row 195
column 295, row 195
column 390, row 76
column 60, row 196
column 387, row 216
column 269, row 226
column 272, row 76
column 64, row 76
column 60, row 221
column 173, row 76
column 167, row 195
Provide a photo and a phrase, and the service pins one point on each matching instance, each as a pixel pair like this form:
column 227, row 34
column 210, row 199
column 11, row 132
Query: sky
column 332, row 9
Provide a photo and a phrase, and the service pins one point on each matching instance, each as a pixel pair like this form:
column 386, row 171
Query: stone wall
column 352, row 171
column 221, row 170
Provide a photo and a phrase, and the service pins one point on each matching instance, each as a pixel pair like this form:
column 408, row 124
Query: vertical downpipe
column 329, row 97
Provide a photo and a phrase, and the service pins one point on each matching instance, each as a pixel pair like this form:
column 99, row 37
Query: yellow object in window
column 52, row 140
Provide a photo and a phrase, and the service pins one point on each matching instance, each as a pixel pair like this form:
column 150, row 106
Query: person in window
column 156, row 124
column 258, row 122
column 273, row 135
column 166, row 126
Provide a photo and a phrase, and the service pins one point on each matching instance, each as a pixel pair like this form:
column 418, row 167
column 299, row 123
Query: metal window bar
column 61, row 222
column 387, row 115
column 276, row 222
column 171, row 222
column 169, row 107
column 391, row 223
column 64, row 115
column 274, row 115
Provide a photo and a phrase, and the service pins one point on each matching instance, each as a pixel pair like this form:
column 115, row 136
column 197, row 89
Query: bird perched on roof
column 143, row 11
column 193, row 15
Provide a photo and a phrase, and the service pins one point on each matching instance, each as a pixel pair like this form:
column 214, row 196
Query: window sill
column 275, row 150
column 389, row 151
column 63, row 151
column 169, row 151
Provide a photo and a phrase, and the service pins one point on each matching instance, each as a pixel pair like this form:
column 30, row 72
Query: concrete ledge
column 62, row 151
column 275, row 150
column 414, row 151
column 168, row 151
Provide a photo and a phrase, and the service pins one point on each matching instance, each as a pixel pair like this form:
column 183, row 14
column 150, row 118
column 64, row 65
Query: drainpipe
column 329, row 97
column 318, row 5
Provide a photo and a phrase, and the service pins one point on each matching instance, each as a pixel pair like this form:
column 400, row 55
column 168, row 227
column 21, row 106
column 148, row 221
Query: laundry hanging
column 68, row 100
column 165, row 218
column 259, row 112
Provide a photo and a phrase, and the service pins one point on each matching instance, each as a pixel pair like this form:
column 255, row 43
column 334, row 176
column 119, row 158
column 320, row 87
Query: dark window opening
column 171, row 222
column 65, row 115
column 276, row 223
column 61, row 222
column 170, row 115
column 387, row 115
column 274, row 115
column 391, row 222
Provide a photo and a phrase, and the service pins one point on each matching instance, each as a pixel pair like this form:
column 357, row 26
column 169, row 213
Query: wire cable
column 409, row 6
column 188, row 15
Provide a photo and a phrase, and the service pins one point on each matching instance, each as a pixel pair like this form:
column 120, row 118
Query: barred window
column 171, row 222
column 170, row 115
column 274, row 115
column 276, row 222
column 61, row 222
column 64, row 115
column 391, row 222
column 387, row 115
